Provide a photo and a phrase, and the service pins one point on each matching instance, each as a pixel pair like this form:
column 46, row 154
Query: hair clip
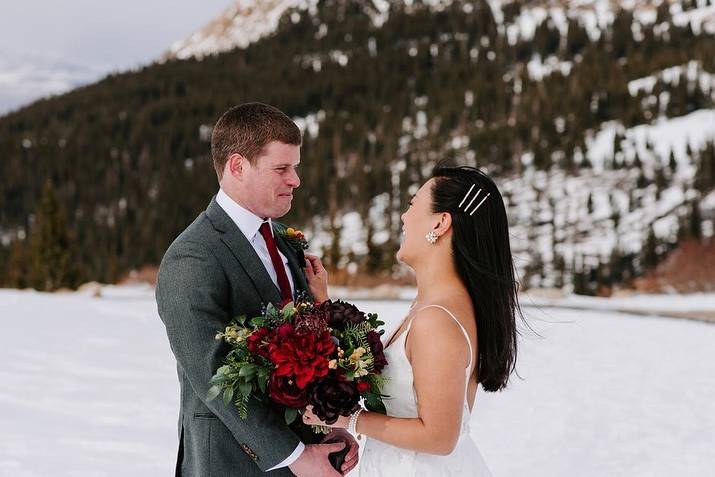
column 466, row 208
column 466, row 195
column 480, row 203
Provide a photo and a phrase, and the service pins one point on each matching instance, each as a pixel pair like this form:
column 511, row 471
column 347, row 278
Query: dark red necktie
column 278, row 266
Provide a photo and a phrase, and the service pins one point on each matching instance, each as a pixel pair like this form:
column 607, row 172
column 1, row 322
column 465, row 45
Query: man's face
column 268, row 185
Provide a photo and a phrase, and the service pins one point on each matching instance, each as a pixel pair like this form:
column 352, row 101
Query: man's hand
column 351, row 458
column 313, row 462
column 317, row 277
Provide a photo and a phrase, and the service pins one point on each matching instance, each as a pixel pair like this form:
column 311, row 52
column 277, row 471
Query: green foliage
column 243, row 372
column 290, row 415
column 374, row 403
column 355, row 335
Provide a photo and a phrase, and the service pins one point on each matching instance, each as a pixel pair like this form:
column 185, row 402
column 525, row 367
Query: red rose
column 363, row 386
column 301, row 355
column 257, row 342
column 284, row 391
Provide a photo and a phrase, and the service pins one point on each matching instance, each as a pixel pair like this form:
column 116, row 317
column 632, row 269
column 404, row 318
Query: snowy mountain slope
column 89, row 388
column 241, row 24
column 549, row 211
column 246, row 21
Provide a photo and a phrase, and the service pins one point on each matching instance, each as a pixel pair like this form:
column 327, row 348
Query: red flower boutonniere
column 295, row 238
column 297, row 242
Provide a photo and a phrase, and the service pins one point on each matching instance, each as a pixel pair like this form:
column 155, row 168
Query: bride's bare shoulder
column 434, row 319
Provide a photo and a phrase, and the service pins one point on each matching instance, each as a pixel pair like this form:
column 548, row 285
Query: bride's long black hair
column 482, row 257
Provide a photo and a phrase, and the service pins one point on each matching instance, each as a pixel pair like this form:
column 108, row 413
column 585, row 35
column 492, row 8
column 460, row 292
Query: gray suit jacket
column 209, row 275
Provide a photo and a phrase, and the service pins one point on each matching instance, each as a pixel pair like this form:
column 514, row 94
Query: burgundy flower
column 257, row 342
column 333, row 397
column 303, row 356
column 284, row 330
column 363, row 386
column 283, row 390
column 338, row 313
column 378, row 353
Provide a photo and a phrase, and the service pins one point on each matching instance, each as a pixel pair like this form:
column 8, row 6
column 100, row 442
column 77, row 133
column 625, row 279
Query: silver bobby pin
column 466, row 195
column 473, row 198
column 480, row 203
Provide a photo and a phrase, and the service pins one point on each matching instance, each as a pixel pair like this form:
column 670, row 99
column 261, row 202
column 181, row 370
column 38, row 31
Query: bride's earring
column 431, row 237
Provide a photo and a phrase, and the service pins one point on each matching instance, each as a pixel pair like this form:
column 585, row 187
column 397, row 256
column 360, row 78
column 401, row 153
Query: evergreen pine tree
column 660, row 182
column 695, row 230
column 650, row 250
column 50, row 245
column 642, row 180
column 560, row 269
column 615, row 266
column 672, row 164
column 534, row 270
column 663, row 13
column 576, row 38
column 580, row 282
column 705, row 172
column 17, row 269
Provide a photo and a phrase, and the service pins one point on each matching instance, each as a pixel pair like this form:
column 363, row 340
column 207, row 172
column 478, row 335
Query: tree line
column 126, row 160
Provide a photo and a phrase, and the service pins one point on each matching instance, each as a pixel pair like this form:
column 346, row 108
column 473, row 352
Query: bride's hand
column 310, row 418
column 317, row 277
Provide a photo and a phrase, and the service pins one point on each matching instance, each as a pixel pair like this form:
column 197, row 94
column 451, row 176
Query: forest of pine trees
column 99, row 181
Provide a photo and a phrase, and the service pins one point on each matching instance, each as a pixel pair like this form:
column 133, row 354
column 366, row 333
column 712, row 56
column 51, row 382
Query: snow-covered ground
column 89, row 389
column 656, row 305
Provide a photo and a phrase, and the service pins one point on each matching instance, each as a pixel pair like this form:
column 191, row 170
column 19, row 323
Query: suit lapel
column 246, row 256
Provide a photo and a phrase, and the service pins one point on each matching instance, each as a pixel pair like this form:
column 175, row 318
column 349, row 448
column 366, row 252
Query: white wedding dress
column 384, row 460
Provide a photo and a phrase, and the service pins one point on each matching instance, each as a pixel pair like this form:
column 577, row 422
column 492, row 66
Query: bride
column 460, row 330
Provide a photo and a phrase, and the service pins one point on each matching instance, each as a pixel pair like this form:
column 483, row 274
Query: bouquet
column 328, row 355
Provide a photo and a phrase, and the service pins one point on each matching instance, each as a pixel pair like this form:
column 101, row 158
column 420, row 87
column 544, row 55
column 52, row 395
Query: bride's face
column 417, row 221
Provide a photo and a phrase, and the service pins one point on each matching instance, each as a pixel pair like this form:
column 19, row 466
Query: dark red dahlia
column 303, row 356
column 378, row 353
column 339, row 314
column 333, row 397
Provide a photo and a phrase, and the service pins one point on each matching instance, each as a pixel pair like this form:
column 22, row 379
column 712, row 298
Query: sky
column 49, row 46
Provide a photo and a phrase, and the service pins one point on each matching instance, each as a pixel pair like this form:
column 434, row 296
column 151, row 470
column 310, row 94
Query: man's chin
column 278, row 213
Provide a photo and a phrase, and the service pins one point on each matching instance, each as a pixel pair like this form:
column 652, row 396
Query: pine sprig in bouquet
column 327, row 355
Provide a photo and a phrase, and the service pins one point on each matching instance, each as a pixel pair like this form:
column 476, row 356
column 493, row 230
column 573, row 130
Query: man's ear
column 235, row 165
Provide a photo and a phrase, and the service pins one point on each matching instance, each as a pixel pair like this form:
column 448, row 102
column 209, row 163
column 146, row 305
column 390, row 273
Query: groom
column 230, row 261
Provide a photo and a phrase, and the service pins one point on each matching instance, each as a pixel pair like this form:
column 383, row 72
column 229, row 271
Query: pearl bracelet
column 352, row 423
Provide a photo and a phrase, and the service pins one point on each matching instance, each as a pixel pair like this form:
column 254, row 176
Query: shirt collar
column 247, row 222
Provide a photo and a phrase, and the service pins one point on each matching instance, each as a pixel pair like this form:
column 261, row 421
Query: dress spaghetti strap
column 466, row 335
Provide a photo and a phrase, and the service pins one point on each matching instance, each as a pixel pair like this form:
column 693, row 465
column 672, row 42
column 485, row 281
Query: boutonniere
column 296, row 239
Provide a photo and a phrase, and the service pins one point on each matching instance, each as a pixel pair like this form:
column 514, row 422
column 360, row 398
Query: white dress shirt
column 249, row 223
